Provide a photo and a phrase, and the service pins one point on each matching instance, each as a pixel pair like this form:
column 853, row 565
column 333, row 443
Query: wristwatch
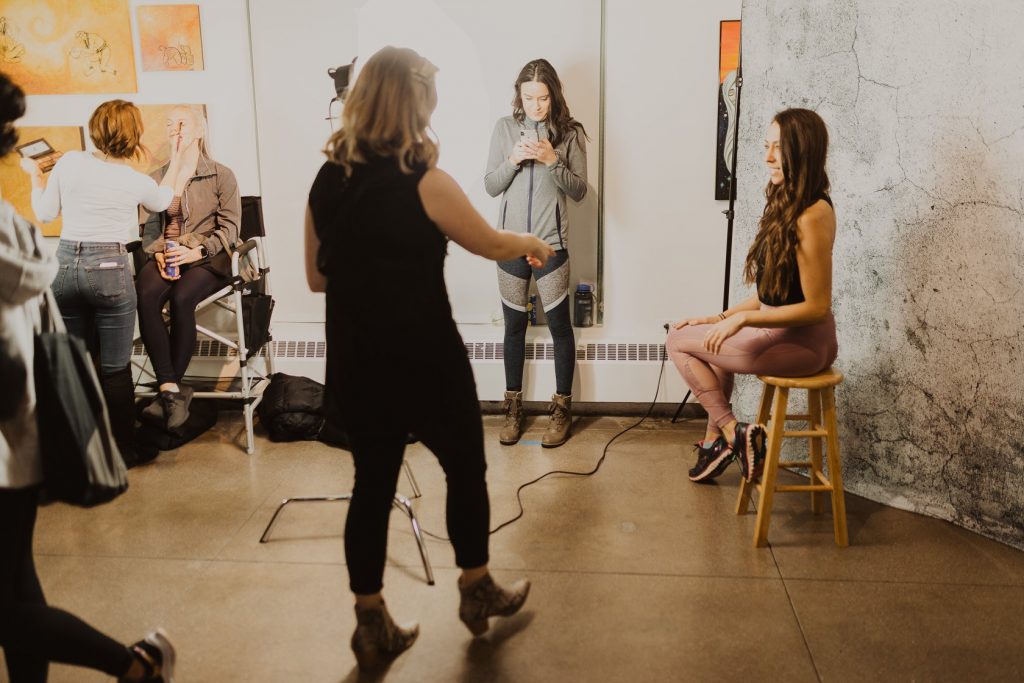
column 203, row 251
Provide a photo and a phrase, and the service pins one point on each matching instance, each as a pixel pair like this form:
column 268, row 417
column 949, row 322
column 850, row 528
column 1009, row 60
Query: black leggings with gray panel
column 553, row 286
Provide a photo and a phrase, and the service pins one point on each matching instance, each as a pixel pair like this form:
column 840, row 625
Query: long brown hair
column 560, row 122
column 803, row 146
column 387, row 113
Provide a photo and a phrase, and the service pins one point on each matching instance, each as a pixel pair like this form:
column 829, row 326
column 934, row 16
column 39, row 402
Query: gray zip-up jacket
column 534, row 194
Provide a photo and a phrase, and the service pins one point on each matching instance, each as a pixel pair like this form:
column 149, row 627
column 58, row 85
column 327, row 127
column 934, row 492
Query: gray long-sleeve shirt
column 534, row 195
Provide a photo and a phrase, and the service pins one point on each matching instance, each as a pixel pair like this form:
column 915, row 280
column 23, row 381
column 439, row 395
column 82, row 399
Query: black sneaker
column 749, row 444
column 711, row 460
column 157, row 656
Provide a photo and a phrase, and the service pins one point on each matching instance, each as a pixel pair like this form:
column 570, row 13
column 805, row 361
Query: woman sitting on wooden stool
column 787, row 328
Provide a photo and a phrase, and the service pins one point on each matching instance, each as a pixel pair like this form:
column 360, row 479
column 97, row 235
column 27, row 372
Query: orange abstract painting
column 60, row 47
column 729, row 48
column 170, row 38
column 154, row 134
column 17, row 188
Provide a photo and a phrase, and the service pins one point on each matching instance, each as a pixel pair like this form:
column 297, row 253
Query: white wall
column 664, row 232
column 479, row 49
column 225, row 87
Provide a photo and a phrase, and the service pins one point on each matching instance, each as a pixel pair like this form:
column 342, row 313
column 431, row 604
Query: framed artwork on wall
column 45, row 144
column 728, row 60
column 64, row 47
column 170, row 37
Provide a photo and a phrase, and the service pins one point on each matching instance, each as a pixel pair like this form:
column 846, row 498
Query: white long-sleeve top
column 99, row 199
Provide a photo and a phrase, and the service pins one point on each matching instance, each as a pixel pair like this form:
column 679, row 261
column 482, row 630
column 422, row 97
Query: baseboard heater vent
column 599, row 352
column 608, row 352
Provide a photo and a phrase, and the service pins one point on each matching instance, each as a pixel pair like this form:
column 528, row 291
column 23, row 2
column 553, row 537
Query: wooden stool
column 821, row 403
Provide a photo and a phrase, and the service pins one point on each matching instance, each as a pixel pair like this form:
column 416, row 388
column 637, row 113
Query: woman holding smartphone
column 538, row 158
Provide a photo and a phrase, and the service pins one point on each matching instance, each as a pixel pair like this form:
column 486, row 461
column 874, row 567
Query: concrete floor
column 638, row 575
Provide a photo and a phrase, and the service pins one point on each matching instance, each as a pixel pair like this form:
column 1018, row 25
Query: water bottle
column 583, row 305
column 172, row 271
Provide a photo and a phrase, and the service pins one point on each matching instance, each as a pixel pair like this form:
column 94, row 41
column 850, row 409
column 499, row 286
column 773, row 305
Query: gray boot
column 560, row 425
column 513, row 428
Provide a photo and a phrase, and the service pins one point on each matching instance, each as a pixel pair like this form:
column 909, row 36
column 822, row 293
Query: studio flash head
column 342, row 76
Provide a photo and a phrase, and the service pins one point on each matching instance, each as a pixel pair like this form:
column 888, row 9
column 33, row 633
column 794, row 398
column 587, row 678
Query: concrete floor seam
column 796, row 617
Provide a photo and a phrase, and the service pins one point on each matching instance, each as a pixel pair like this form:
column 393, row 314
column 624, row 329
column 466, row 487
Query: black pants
column 171, row 351
column 32, row 634
column 445, row 415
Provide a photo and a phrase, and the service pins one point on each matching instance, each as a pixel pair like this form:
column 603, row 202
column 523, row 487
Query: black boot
column 119, row 392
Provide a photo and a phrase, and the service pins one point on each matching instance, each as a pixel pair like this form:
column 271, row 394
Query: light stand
column 730, row 213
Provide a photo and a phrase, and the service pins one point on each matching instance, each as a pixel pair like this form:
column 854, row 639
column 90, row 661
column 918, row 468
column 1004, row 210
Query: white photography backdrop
column 479, row 51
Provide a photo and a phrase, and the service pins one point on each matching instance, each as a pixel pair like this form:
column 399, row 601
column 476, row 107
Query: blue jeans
column 96, row 295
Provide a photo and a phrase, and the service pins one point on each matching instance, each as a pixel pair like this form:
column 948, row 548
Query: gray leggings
column 782, row 351
column 553, row 285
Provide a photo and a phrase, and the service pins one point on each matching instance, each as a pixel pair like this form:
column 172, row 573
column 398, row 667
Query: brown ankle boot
column 560, row 425
column 377, row 638
column 513, row 428
column 484, row 598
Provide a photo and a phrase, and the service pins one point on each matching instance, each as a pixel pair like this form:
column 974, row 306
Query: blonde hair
column 116, row 129
column 387, row 113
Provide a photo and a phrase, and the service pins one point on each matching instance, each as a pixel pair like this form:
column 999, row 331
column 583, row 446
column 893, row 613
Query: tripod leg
column 679, row 410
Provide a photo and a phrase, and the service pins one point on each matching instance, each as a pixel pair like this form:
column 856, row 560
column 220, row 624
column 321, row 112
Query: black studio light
column 342, row 76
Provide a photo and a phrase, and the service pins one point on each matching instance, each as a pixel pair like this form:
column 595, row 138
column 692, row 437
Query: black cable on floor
column 600, row 461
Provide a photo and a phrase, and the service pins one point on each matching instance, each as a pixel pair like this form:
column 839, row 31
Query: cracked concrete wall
column 925, row 108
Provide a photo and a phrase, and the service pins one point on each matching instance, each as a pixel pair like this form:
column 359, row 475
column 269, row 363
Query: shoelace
column 509, row 408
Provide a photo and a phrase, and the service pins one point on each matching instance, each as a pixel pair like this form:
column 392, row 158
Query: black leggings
column 553, row 284
column 31, row 633
column 171, row 351
column 446, row 417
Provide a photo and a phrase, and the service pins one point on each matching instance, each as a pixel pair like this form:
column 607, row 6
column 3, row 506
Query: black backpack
column 292, row 408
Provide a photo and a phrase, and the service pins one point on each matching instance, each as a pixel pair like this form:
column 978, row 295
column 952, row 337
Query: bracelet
column 722, row 316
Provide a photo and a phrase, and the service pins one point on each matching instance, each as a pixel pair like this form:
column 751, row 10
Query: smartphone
column 528, row 135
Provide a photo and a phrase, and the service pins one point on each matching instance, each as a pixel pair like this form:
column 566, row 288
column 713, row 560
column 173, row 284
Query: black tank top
column 388, row 316
column 795, row 292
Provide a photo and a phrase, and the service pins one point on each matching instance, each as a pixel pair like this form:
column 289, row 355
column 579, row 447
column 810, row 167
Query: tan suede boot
column 378, row 638
column 560, row 425
column 513, row 428
column 484, row 599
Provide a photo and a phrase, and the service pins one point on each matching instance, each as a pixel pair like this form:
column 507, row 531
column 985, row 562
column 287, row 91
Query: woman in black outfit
column 380, row 213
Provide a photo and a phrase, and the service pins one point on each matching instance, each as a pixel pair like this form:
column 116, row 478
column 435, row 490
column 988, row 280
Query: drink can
column 172, row 271
column 531, row 310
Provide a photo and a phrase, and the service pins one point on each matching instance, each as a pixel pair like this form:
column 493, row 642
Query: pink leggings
column 783, row 351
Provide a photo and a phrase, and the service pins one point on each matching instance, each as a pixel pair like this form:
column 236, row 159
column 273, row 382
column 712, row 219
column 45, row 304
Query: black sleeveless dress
column 391, row 339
